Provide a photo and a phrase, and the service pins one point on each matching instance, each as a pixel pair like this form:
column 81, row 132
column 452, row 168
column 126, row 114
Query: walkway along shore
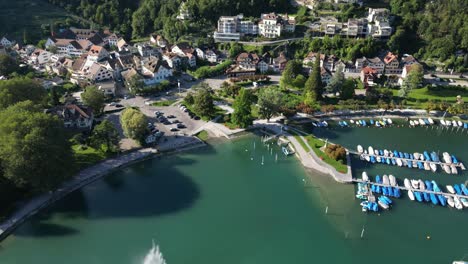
column 83, row 178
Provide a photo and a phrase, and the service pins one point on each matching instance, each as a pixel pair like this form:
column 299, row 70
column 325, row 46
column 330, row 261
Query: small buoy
column 428, row 237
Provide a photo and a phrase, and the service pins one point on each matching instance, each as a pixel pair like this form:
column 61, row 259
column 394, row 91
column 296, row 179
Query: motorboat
column 453, row 169
column 426, row 156
column 426, row 121
column 464, row 189
column 446, row 168
column 386, row 153
column 383, row 205
column 434, row 156
column 426, row 166
column 454, row 159
column 386, row 199
column 393, row 162
column 372, row 159
column 396, row 154
column 360, row 149
column 399, row 162
column 435, row 187
column 376, row 152
column 433, row 166
column 462, row 166
column 385, row 180
column 407, row 183
column 415, row 184
column 381, row 153
column 421, row 122
column 396, row 192
column 370, row 150
column 379, row 159
column 430, row 121
column 433, row 198
column 450, row 201
column 447, row 158
column 411, row 195
column 450, row 189
column 460, row 124
column 411, row 122
column 457, row 189
column 428, row 185
column 389, row 121
column 464, row 201
column 442, row 122
column 367, row 158
column 416, row 155
column 390, row 191
column 364, row 176
column 442, row 199
column 454, row 123
column 422, row 186
column 392, row 180
column 388, row 161
column 416, row 122
column 345, row 123
column 458, row 204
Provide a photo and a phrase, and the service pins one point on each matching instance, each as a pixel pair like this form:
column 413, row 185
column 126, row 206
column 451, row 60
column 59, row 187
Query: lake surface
column 219, row 204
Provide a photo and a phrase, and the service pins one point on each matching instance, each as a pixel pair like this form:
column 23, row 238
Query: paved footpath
column 83, row 178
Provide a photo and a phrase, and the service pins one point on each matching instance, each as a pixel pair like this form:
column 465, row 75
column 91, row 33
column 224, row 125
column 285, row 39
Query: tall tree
column 21, row 89
column 203, row 102
column 105, row 137
column 134, row 124
column 34, row 150
column 347, row 90
column 8, row 65
column 415, row 76
column 314, row 87
column 270, row 100
column 337, row 81
column 242, row 115
column 291, row 71
column 93, row 97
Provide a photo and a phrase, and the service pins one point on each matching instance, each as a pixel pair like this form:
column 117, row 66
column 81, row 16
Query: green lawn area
column 203, row 135
column 316, row 144
column 19, row 16
column 87, row 156
column 419, row 97
column 164, row 103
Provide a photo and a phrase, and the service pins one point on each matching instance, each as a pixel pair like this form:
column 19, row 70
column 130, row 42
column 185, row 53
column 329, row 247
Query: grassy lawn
column 203, row 135
column 164, row 103
column 88, row 156
column 27, row 16
column 316, row 144
column 419, row 97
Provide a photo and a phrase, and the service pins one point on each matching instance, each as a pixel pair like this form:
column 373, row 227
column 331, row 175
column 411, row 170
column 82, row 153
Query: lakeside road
column 83, row 178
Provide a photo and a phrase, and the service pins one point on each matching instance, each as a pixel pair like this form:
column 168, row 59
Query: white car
column 147, row 102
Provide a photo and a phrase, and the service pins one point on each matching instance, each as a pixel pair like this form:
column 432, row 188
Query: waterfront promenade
column 83, row 178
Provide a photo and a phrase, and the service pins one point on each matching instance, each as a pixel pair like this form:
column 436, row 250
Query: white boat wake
column 154, row 256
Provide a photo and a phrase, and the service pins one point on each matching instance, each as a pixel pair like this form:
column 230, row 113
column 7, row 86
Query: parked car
column 196, row 117
column 112, row 104
column 162, row 119
column 158, row 113
column 180, row 125
column 119, row 105
column 175, row 121
column 171, row 116
column 167, row 122
column 174, row 129
column 150, row 125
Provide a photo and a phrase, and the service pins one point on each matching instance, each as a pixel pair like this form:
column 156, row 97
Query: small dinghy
column 407, row 183
column 434, row 199
column 430, row 121
column 450, row 189
column 450, row 201
column 457, row 202
column 386, row 181
column 453, row 169
column 392, row 180
column 365, row 177
column 415, row 184
column 446, row 168
column 360, row 149
column 433, row 167
column 411, row 195
column 422, row 186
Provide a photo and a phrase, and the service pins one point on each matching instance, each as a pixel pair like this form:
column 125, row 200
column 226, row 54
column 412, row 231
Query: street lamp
column 178, row 84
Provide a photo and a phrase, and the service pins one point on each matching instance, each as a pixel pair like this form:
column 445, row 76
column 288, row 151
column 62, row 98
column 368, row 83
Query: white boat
column 351, row 121
column 450, row 201
column 453, row 169
column 371, row 150
column 360, row 149
column 416, row 155
column 421, row 122
column 393, row 181
column 416, row 122
column 415, row 184
column 433, row 166
column 464, row 201
column 407, row 183
column 460, row 124
column 430, row 121
column 462, row 166
column 385, row 180
column 442, row 122
column 379, row 159
column 367, row 158
column 415, row 164
column 446, row 168
column 411, row 122
column 389, row 121
column 364, row 176
column 399, row 162
column 385, row 152
column 376, row 152
column 411, row 195
column 422, row 186
column 454, row 123
column 458, row 204
column 450, row 189
column 447, row 158
column 426, row 166
column 383, row 205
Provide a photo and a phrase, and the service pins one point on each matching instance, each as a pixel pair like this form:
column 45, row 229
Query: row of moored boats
column 430, row 122
column 424, row 161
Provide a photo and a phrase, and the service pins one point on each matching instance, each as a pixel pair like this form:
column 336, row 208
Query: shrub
column 336, row 152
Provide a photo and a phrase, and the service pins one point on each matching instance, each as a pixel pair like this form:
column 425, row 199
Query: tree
column 337, row 81
column 313, row 88
column 134, row 124
column 347, row 90
column 203, row 102
column 93, row 97
column 235, row 49
column 105, row 137
column 7, row 65
column 34, row 150
column 415, row 76
column 136, row 83
column 242, row 115
column 270, row 100
column 291, row 71
column 21, row 89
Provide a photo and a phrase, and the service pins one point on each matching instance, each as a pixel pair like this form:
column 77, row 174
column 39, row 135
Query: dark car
column 196, row 118
column 174, row 129
column 119, row 105
column 158, row 113
column 180, row 125
column 175, row 121
column 171, row 116
column 162, row 119
column 167, row 122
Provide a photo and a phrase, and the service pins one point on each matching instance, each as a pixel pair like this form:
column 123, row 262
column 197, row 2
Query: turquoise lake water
column 219, row 204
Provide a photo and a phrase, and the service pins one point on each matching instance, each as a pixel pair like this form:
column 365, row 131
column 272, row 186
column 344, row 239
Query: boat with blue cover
column 411, row 156
column 373, row 188
column 409, row 164
column 442, row 199
column 396, row 192
column 454, row 160
column 426, row 155
column 388, row 161
column 465, row 125
column 428, row 185
column 426, row 197
column 434, row 199
column 427, row 121
column 388, row 201
column 372, row 159
column 420, row 165
column 345, row 123
column 378, row 179
column 435, row 187
column 464, row 189
column 384, row 190
column 401, row 154
column 371, row 122
column 364, row 123
column 434, row 157
column 377, row 189
column 380, row 152
column 406, row 155
column 393, row 161
column 457, row 189
column 418, row 196
column 395, row 153
column 390, row 191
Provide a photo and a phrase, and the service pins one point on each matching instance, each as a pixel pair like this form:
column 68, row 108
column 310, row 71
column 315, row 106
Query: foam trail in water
column 154, row 256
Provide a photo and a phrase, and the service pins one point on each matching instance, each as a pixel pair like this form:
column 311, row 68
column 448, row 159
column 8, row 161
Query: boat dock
column 458, row 165
column 412, row 189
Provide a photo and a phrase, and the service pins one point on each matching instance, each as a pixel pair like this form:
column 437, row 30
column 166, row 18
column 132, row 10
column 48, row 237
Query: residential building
column 380, row 29
column 228, row 29
column 5, row 42
column 271, row 25
column 40, row 57
column 406, row 70
column 329, row 62
column 368, row 76
column 74, row 116
column 237, row 71
column 47, row 84
column 377, row 14
column 67, row 47
column 155, row 71
column 375, row 63
column 248, row 27
column 325, row 75
column 247, row 60
column 279, row 63
column 408, row 60
column 211, row 56
column 96, row 73
column 392, row 65
column 158, row 40
column 97, row 53
column 356, row 27
column 173, row 60
column 122, row 45
column 184, row 50
column 147, row 50
column 2, row 50
column 107, row 87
